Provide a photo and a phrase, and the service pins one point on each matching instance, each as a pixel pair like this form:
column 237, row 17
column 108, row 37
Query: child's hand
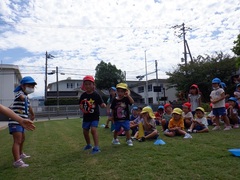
column 127, row 93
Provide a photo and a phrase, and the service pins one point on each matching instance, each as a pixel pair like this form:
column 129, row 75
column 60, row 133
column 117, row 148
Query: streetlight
column 146, row 99
column 57, row 88
column 47, row 56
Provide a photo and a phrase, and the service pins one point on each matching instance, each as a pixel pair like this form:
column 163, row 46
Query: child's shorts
column 125, row 124
column 219, row 111
column 147, row 133
column 15, row 128
column 88, row 125
column 199, row 128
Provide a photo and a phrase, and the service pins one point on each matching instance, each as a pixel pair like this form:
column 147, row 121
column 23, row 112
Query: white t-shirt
column 194, row 101
column 188, row 115
column 216, row 94
column 203, row 121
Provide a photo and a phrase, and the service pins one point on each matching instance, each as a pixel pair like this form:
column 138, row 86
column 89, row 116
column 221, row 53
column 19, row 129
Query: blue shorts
column 199, row 128
column 219, row 111
column 88, row 125
column 15, row 128
column 125, row 124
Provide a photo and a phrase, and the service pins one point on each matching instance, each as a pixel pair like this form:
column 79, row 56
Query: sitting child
column 200, row 123
column 187, row 114
column 149, row 125
column 176, row 125
column 232, row 112
column 167, row 115
column 159, row 115
column 134, row 124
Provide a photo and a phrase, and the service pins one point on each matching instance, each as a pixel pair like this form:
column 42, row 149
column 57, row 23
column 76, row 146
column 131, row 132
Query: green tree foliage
column 236, row 48
column 201, row 72
column 107, row 75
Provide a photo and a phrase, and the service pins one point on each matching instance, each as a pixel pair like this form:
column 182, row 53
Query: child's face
column 145, row 115
column 176, row 116
column 199, row 114
column 238, row 88
column 168, row 109
column 89, row 86
column 135, row 112
column 231, row 103
column 193, row 91
column 185, row 109
column 112, row 92
column 121, row 92
column 215, row 85
column 160, row 111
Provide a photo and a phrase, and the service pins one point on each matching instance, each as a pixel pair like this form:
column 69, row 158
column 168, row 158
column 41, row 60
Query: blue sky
column 81, row 33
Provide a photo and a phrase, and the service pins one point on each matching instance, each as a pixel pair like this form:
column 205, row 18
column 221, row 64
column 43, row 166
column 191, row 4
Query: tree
column 236, row 50
column 107, row 75
column 201, row 71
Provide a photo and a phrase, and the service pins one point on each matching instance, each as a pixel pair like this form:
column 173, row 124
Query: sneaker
column 115, row 142
column 189, row 130
column 129, row 142
column 20, row 163
column 133, row 139
column 95, row 150
column 187, row 136
column 106, row 126
column 216, row 128
column 24, row 156
column 227, row 128
column 142, row 139
column 166, row 131
column 236, row 126
column 194, row 131
column 87, row 147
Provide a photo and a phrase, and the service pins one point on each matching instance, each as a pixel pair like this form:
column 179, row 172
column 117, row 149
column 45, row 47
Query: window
column 149, row 87
column 141, row 89
column 70, row 85
column 150, row 100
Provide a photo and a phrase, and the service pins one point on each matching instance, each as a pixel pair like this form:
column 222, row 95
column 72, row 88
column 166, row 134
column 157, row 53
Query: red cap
column 194, row 86
column 187, row 104
column 88, row 78
column 167, row 105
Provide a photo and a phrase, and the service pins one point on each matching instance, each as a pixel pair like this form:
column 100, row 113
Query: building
column 71, row 88
column 10, row 78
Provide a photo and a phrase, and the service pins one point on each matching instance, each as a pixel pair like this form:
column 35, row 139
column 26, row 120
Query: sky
column 130, row 34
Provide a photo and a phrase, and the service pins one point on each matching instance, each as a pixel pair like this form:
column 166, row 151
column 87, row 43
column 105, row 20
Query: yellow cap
column 148, row 110
column 122, row 86
column 201, row 109
column 177, row 111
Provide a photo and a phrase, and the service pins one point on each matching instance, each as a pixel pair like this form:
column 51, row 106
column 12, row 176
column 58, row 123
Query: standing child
column 176, row 125
column 120, row 110
column 112, row 93
column 21, row 106
column 88, row 103
column 187, row 114
column 232, row 112
column 194, row 97
column 217, row 98
column 200, row 123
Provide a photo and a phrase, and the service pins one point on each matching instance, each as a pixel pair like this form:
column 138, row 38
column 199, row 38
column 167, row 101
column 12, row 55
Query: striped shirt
column 19, row 107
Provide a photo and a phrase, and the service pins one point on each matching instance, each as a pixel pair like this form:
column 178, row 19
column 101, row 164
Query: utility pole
column 146, row 94
column 185, row 43
column 45, row 94
column 156, row 66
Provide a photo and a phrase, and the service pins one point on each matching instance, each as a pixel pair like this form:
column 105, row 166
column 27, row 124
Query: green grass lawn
column 56, row 153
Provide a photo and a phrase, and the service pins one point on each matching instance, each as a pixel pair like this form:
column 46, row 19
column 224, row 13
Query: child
column 167, row 115
column 232, row 112
column 159, row 115
column 112, row 93
column 120, row 111
column 199, row 124
column 237, row 93
column 210, row 117
column 21, row 106
column 149, row 124
column 25, row 123
column 134, row 124
column 217, row 98
column 134, row 113
column 88, row 103
column 187, row 114
column 194, row 97
column 176, row 125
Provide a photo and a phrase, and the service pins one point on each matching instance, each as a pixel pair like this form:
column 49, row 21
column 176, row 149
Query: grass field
column 56, row 153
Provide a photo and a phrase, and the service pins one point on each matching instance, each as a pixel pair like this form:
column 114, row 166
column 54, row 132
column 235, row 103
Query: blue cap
column 223, row 85
column 112, row 88
column 216, row 81
column 238, row 85
column 233, row 99
column 134, row 108
column 25, row 80
column 160, row 107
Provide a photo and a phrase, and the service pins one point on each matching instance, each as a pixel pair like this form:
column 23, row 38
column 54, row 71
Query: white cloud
column 82, row 33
